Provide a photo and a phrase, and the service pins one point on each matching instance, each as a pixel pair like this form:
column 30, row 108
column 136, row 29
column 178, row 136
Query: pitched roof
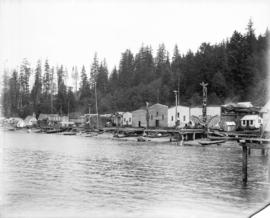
column 158, row 104
column 230, row 123
column 250, row 117
column 244, row 104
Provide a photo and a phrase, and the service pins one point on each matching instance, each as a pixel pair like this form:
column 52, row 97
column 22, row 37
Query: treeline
column 235, row 70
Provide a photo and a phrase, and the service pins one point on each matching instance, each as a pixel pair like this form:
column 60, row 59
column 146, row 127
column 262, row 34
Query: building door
column 247, row 123
column 157, row 123
column 139, row 124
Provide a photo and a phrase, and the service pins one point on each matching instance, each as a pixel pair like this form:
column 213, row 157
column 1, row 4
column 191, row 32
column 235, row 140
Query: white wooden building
column 251, row 121
column 210, row 111
column 127, row 119
column 182, row 116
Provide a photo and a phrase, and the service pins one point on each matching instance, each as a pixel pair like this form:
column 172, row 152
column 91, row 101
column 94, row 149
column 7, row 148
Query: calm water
column 74, row 176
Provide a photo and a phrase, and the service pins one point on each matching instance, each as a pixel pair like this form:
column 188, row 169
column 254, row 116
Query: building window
column 162, row 116
column 244, row 122
column 251, row 122
column 157, row 113
column 151, row 116
column 184, row 118
column 129, row 119
column 172, row 118
column 178, row 115
column 124, row 119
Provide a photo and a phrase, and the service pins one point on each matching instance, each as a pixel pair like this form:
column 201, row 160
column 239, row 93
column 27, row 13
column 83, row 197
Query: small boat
column 202, row 142
column 142, row 139
column 69, row 133
column 52, row 131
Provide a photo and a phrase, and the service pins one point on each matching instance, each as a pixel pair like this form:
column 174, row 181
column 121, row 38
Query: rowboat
column 211, row 142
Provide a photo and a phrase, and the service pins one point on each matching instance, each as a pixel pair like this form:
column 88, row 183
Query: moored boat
column 204, row 142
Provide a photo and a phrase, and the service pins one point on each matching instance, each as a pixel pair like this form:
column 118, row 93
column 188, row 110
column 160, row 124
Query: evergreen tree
column 113, row 82
column 84, row 87
column 126, row 68
column 46, row 80
column 5, row 97
column 62, row 92
column 37, row 88
column 14, row 87
column 94, row 71
column 102, row 78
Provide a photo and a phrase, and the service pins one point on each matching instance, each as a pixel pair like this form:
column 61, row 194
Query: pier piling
column 244, row 163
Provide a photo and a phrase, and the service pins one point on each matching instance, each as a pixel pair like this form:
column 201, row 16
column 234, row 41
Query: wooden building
column 158, row 115
column 211, row 111
column 251, row 122
column 76, row 118
column 91, row 120
column 117, row 119
column 235, row 112
column 182, row 116
column 127, row 119
column 30, row 120
column 139, row 118
column 229, row 126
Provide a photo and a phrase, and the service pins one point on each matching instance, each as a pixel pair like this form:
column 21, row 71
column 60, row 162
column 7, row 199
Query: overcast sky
column 69, row 32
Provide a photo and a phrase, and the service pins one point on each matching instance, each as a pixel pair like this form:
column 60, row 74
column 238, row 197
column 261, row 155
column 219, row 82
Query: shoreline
column 110, row 136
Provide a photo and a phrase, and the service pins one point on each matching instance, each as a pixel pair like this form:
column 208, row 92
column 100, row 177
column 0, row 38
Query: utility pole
column 96, row 103
column 68, row 109
column 204, row 104
column 175, row 92
column 147, row 115
column 178, row 89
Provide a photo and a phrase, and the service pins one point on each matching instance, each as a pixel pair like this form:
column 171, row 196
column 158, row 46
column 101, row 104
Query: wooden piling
column 249, row 151
column 244, row 162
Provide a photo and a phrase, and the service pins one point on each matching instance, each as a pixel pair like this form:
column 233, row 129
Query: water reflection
column 103, row 178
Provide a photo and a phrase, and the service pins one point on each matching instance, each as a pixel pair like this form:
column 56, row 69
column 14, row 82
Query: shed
column 229, row 126
column 251, row 121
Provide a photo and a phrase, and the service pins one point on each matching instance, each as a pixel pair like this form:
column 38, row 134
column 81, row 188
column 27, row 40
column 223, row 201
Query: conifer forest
column 235, row 70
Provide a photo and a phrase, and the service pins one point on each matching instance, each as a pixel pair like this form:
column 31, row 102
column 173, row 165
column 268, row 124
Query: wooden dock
column 178, row 134
column 248, row 144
